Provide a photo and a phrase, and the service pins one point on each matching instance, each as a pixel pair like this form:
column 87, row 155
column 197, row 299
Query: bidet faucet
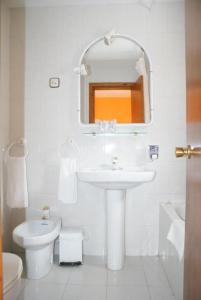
column 45, row 213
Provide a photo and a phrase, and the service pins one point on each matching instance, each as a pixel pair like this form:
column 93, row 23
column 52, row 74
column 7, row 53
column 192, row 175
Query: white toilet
column 12, row 271
column 37, row 237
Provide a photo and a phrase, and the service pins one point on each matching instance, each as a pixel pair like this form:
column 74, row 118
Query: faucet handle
column 115, row 163
column 46, row 213
column 114, row 160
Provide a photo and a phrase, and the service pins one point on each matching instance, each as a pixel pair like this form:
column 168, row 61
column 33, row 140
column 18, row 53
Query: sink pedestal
column 115, row 205
column 115, row 183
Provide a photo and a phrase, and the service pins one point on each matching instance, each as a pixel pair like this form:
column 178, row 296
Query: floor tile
column 89, row 274
column 154, row 272
column 37, row 290
column 84, row 292
column 24, row 282
column 58, row 274
column 133, row 260
column 94, row 260
column 161, row 293
column 142, row 278
column 127, row 293
column 20, row 286
column 129, row 275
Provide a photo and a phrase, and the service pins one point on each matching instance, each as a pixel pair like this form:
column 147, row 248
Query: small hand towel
column 17, row 194
column 67, row 191
column 176, row 236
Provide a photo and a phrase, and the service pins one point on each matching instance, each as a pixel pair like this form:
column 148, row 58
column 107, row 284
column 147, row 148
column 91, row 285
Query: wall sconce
column 81, row 70
column 108, row 37
column 146, row 3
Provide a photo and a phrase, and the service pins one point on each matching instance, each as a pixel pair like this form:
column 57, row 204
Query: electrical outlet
column 54, row 82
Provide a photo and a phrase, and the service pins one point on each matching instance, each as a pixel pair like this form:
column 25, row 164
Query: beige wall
column 11, row 100
column 17, row 73
column 4, row 104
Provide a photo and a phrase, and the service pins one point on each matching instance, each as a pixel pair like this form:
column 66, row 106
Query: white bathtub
column 172, row 264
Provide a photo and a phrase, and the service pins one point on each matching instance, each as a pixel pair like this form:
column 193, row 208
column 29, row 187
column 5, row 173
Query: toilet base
column 39, row 261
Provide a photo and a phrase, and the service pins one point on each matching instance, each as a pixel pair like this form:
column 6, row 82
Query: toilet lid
column 12, row 270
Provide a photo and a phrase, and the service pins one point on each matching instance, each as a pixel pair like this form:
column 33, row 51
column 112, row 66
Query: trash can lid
column 71, row 232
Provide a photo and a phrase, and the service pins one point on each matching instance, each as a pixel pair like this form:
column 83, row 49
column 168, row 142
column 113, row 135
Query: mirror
column 115, row 82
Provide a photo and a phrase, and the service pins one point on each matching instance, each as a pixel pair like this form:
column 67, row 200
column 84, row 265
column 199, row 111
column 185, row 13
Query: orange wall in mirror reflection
column 123, row 102
column 113, row 105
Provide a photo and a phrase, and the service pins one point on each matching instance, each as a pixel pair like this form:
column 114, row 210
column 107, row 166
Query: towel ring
column 72, row 144
column 20, row 142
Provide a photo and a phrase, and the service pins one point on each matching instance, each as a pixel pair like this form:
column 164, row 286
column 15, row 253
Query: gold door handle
column 180, row 152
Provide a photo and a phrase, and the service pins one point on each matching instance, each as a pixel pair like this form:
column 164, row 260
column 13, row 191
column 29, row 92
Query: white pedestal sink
column 115, row 182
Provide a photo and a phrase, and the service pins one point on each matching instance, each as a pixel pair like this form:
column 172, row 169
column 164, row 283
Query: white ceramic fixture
column 37, row 237
column 115, row 179
column 116, row 182
column 12, row 271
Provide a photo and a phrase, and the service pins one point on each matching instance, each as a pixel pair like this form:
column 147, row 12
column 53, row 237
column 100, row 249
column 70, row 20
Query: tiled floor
column 142, row 278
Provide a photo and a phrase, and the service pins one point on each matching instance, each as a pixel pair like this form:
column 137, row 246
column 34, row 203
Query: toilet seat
column 12, row 270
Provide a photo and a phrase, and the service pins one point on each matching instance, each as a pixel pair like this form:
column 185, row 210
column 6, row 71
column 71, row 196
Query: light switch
column 54, row 82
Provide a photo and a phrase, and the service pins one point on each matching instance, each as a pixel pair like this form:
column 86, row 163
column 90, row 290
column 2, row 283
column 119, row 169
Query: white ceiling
column 27, row 3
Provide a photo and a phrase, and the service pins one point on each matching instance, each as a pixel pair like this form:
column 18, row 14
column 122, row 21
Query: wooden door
column 192, row 260
column 137, row 103
column 1, row 266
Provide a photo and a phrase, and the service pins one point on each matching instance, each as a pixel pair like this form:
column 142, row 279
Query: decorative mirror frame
column 120, row 128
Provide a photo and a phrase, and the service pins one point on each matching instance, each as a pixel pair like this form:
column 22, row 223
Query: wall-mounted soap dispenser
column 153, row 152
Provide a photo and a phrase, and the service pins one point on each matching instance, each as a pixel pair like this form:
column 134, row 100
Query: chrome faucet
column 115, row 163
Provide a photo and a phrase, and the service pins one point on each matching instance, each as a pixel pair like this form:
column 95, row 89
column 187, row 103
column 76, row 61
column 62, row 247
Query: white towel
column 176, row 236
column 17, row 194
column 67, row 191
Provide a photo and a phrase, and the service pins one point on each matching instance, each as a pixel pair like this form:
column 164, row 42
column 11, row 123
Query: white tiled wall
column 55, row 38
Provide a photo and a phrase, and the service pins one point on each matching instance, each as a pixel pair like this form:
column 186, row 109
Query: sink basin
column 115, row 182
column 116, row 179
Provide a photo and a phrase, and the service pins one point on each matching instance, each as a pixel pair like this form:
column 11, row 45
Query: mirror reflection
column 115, row 82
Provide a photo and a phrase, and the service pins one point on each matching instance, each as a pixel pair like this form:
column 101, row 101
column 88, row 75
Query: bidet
column 37, row 237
